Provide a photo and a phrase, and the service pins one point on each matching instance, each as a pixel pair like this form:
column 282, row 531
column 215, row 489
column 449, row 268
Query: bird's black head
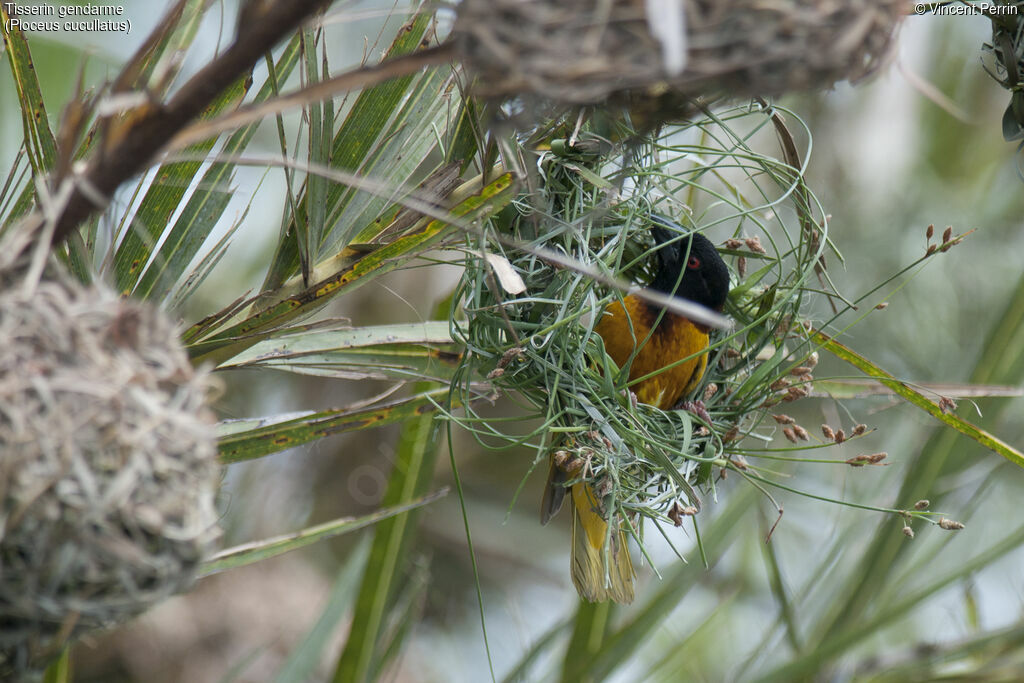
column 690, row 266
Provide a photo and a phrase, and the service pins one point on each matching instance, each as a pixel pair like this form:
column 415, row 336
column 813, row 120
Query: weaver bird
column 649, row 339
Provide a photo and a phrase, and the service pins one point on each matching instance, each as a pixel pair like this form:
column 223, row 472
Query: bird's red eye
column 693, row 263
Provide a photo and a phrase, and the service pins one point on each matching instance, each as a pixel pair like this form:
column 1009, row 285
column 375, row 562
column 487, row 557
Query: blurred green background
column 887, row 160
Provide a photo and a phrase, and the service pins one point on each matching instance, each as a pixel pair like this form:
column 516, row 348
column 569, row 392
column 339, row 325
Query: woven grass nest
column 538, row 347
column 583, row 52
column 108, row 462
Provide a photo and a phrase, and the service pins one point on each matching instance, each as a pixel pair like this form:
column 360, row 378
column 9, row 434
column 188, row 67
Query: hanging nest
column 538, row 346
column 576, row 52
column 108, row 461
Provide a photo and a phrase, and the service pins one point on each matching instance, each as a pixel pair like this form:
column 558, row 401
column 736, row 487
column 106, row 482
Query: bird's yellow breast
column 674, row 339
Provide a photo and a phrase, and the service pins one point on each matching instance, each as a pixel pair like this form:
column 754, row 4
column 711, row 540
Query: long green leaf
column 403, row 362
column 802, row 668
column 1001, row 361
column 354, row 270
column 590, row 629
column 163, row 198
column 304, row 660
column 403, row 351
column 398, row 159
column 40, row 143
column 992, row 656
column 546, row 641
column 247, row 554
column 60, row 670
column 17, row 175
column 364, row 125
column 679, row 662
column 242, row 440
column 921, row 401
column 404, row 614
column 171, row 181
column 207, row 203
column 321, row 127
column 304, row 340
column 39, row 139
column 411, row 475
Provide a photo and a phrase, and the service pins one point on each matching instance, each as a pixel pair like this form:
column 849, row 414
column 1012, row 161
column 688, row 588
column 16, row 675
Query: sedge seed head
column 754, row 245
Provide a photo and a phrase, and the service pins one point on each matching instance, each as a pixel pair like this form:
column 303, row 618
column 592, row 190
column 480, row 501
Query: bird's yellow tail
column 589, row 559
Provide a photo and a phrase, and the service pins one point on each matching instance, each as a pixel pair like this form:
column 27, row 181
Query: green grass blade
column 60, row 670
column 306, row 339
column 410, row 477
column 803, row 668
column 242, row 440
column 916, row 398
column 40, row 143
column 397, row 160
column 364, row 125
column 186, row 288
column 539, row 647
column 402, row 618
column 776, row 580
column 464, row 133
column 162, row 199
column 304, row 660
column 16, row 177
column 1002, row 358
column 992, row 656
column 249, row 553
column 355, row 270
column 207, row 203
column 402, row 351
column 679, row 662
column 321, row 126
column 1001, row 362
column 590, row 630
column 403, row 362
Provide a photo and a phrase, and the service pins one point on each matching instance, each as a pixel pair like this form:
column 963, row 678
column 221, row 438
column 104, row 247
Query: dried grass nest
column 583, row 52
column 108, row 462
